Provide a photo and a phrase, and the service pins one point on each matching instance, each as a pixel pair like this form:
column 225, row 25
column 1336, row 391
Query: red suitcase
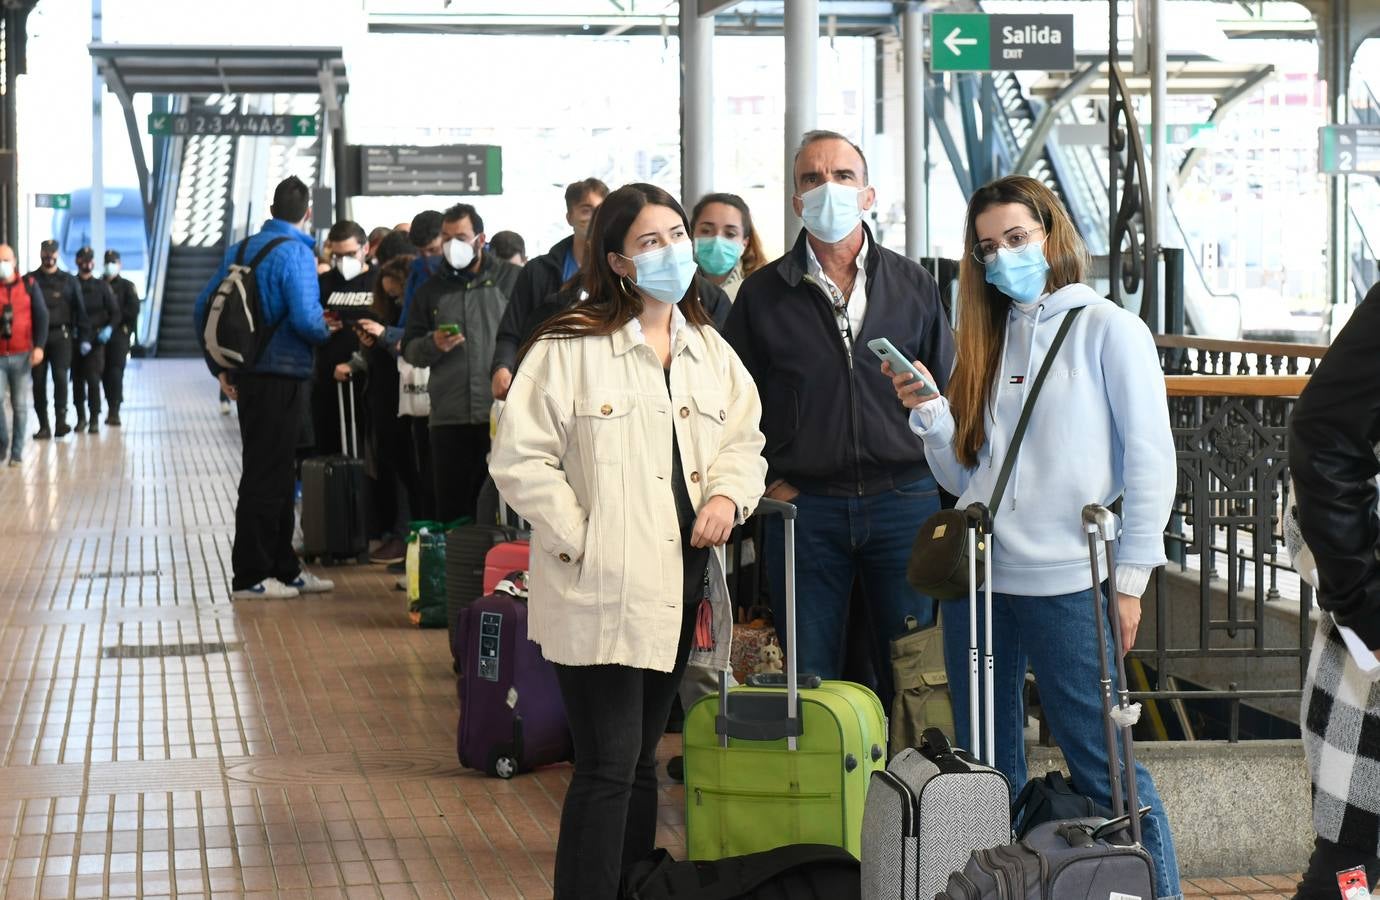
column 504, row 559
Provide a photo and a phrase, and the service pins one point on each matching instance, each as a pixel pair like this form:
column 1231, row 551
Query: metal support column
column 1337, row 55
column 917, row 166
column 696, row 103
column 16, row 20
column 802, row 76
column 97, row 141
column 1159, row 162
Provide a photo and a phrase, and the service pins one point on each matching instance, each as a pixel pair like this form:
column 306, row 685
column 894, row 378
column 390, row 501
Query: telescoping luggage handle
column 770, row 728
column 352, row 448
column 1100, row 524
column 980, row 539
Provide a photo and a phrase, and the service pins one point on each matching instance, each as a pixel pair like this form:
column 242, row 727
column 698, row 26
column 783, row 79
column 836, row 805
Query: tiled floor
column 156, row 740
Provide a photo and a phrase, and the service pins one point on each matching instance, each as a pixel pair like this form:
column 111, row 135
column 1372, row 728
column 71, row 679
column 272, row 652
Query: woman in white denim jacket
column 630, row 440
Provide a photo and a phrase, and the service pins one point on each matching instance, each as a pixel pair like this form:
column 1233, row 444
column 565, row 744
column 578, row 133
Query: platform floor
column 156, row 740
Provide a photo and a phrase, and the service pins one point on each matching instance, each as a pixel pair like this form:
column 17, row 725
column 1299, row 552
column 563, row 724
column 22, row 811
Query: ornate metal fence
column 1229, row 406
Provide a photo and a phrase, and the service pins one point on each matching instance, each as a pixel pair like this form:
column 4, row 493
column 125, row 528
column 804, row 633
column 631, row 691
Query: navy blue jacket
column 834, row 425
column 290, row 295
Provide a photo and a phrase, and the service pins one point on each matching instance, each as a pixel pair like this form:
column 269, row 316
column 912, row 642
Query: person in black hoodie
column 837, row 446
column 67, row 329
column 541, row 278
column 347, row 294
column 103, row 315
column 117, row 348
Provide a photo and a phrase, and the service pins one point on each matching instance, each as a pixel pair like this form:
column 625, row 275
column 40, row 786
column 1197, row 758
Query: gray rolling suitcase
column 1078, row 859
column 933, row 805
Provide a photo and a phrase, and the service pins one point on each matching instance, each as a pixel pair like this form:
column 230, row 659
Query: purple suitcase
column 511, row 715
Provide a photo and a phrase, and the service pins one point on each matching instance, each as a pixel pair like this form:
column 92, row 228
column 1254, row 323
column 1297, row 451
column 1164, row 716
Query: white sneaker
column 225, row 407
column 307, row 583
column 268, row 589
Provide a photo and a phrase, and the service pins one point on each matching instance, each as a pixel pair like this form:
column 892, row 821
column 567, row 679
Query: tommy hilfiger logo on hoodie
column 1017, row 379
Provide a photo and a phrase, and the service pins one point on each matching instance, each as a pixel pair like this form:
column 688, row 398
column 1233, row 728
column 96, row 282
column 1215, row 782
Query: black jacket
column 834, row 426
column 63, row 297
column 537, row 282
column 350, row 300
column 1332, row 438
column 128, row 298
column 102, row 308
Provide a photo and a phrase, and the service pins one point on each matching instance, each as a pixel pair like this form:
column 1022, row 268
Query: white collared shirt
column 857, row 303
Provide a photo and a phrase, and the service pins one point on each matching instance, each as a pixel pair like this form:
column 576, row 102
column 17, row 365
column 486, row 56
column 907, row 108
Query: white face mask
column 349, row 267
column 459, row 253
column 112, row 269
column 6, row 270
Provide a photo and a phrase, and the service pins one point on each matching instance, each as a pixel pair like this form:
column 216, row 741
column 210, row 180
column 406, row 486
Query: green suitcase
column 783, row 760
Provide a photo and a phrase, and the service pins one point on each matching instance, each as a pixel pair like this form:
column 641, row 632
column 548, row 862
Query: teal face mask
column 1020, row 276
column 717, row 255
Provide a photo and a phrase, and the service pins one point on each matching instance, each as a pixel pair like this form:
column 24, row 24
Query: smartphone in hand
column 450, row 329
column 887, row 353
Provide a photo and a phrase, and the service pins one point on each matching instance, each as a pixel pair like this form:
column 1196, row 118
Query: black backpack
column 796, row 872
column 236, row 332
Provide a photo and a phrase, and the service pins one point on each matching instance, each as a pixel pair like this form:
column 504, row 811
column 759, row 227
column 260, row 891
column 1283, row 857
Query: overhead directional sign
column 411, row 171
column 972, row 42
column 1349, row 149
column 232, row 124
column 1181, row 134
column 53, row 201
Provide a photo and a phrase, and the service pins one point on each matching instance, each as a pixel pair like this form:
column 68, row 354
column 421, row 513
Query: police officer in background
column 102, row 314
column 117, row 348
column 66, row 323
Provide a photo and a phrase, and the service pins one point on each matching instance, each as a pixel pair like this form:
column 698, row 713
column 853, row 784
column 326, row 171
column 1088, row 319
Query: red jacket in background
column 29, row 318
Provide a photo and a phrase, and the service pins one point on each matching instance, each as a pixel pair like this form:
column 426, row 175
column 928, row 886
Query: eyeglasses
column 1017, row 240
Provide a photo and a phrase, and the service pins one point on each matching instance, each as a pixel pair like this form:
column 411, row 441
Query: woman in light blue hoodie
column 1099, row 431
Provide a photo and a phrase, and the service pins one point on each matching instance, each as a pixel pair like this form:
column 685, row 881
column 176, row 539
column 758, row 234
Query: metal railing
column 166, row 178
column 1230, row 424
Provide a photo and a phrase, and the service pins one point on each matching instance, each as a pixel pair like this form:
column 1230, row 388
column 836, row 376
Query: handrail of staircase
column 166, row 177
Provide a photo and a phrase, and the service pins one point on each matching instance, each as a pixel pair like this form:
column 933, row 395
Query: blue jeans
column 838, row 539
column 14, row 380
column 1055, row 636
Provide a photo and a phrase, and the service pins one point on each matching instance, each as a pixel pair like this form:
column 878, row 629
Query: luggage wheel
column 502, row 764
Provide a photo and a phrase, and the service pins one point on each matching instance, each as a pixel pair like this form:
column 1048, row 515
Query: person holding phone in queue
column 837, row 445
column 1099, row 431
column 451, row 327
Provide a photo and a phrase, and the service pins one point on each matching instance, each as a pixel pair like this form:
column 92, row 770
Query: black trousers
column 421, row 498
column 113, row 376
column 617, row 717
column 270, row 411
column 57, row 358
column 1320, row 881
column 459, row 460
column 397, row 475
column 86, row 382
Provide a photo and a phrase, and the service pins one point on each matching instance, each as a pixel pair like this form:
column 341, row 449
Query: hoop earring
column 628, row 285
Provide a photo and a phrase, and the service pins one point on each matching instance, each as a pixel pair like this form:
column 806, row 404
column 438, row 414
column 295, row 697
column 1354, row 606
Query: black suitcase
column 466, row 548
column 334, row 506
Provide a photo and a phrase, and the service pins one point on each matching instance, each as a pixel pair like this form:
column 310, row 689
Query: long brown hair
column 753, row 257
column 385, row 308
column 983, row 309
column 611, row 301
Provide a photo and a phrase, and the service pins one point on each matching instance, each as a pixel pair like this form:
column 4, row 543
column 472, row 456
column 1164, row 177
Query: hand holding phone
column 448, row 329
column 887, row 353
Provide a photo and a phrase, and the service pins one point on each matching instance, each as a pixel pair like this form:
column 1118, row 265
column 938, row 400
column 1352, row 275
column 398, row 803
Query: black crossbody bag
column 939, row 557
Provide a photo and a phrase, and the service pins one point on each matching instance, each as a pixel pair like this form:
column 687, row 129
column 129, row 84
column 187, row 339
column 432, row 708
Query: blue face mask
column 717, row 255
column 831, row 211
column 665, row 273
column 1020, row 276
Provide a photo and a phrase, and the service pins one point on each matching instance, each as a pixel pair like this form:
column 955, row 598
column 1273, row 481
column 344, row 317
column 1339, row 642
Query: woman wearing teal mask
column 727, row 247
column 630, row 441
column 1098, row 431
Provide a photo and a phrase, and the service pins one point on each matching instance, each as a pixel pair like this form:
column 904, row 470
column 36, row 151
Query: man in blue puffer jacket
column 271, row 394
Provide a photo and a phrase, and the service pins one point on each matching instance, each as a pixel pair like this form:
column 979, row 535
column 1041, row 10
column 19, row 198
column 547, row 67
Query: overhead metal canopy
column 1186, row 77
column 161, row 69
